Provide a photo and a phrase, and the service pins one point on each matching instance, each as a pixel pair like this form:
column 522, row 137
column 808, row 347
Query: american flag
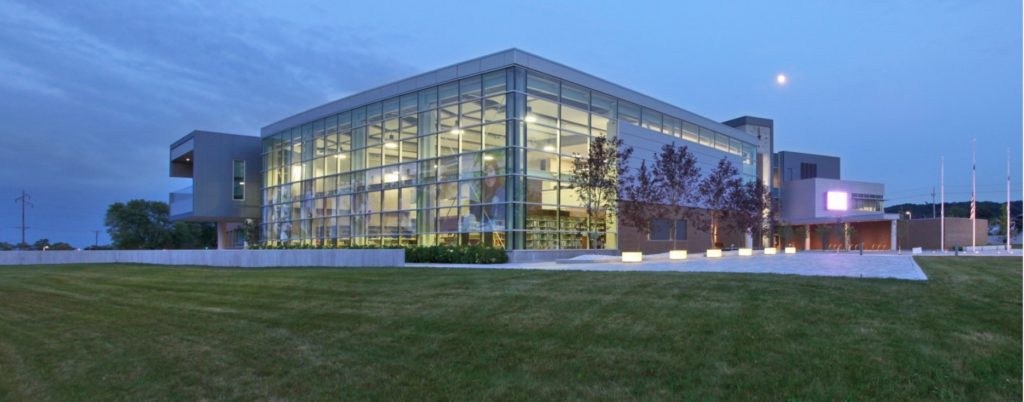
column 973, row 169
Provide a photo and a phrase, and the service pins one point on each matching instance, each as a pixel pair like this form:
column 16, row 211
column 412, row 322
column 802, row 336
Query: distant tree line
column 38, row 245
column 994, row 212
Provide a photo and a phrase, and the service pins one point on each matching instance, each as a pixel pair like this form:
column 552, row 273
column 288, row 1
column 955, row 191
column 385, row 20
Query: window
column 808, row 170
column 660, row 230
column 663, row 230
column 238, row 181
column 681, row 229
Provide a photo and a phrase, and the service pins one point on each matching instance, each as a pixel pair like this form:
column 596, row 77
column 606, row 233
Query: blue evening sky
column 93, row 92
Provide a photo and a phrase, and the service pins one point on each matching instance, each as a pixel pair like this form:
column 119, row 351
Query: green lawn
column 143, row 332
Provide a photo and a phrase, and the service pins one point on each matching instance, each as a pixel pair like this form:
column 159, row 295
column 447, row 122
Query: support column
column 892, row 235
column 807, row 237
column 748, row 240
column 222, row 235
column 846, row 239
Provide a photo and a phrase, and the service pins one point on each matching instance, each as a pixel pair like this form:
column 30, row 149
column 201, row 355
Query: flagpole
column 1008, row 217
column 942, row 208
column 974, row 194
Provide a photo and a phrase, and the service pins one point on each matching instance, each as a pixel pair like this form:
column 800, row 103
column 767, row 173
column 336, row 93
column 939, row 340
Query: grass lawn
column 100, row 332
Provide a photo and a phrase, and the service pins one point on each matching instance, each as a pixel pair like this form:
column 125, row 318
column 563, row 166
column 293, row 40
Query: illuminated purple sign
column 836, row 201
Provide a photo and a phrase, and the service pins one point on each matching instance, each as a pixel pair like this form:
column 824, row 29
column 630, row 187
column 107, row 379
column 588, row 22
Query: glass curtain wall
column 482, row 160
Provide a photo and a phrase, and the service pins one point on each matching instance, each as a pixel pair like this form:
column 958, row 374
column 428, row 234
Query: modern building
column 474, row 153
column 820, row 210
column 225, row 170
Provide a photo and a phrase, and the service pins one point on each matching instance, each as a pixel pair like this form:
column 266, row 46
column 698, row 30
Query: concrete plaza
column 871, row 265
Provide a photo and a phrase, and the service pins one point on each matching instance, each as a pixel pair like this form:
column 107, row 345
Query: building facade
column 476, row 153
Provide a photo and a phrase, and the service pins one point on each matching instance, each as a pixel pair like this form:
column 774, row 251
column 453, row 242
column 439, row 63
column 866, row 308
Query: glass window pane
column 629, row 112
column 428, row 99
column 448, row 94
column 471, row 140
column 574, row 144
column 707, row 137
column 541, row 137
column 542, row 164
column 410, row 149
column 651, row 120
column 408, row 198
column 541, row 111
column 374, row 113
column 470, row 113
column 721, row 142
column 660, row 229
column 603, row 105
column 575, row 120
column 469, row 192
column 494, row 108
column 390, row 200
column 428, row 122
column 469, row 88
column 494, row 135
column 494, row 162
column 541, row 86
column 391, row 108
column 448, row 117
column 542, row 191
column 494, row 82
column 410, row 125
column 471, row 166
column 690, row 132
column 428, row 171
column 575, row 96
column 680, row 229
column 409, row 104
column 426, row 196
column 449, row 168
column 448, row 142
column 447, row 194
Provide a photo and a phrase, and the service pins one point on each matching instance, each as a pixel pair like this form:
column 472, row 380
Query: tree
column 41, row 244
column 750, row 208
column 250, row 232
column 61, row 246
column 713, row 194
column 141, row 224
column 677, row 169
column 824, row 231
column 594, row 178
column 5, row 246
column 642, row 195
column 849, row 233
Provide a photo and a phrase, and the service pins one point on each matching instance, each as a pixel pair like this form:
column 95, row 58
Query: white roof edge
column 495, row 61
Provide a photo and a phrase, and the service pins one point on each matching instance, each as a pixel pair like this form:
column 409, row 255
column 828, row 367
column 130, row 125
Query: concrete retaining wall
column 214, row 258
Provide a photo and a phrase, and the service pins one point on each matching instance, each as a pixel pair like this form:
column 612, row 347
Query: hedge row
column 439, row 254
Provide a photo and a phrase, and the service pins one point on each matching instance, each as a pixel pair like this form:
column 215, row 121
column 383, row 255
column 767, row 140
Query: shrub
column 434, row 254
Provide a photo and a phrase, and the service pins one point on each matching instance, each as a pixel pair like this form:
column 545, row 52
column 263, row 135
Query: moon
column 781, row 79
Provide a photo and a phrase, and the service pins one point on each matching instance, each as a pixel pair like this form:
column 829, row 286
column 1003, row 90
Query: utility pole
column 933, row 202
column 24, row 200
column 97, row 241
column 942, row 209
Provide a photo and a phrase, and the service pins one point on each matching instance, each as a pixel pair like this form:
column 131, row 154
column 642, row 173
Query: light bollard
column 746, row 251
column 632, row 256
column 714, row 253
column 677, row 254
column 790, row 250
column 770, row 251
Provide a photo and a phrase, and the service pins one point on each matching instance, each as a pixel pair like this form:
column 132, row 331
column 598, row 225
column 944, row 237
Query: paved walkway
column 811, row 264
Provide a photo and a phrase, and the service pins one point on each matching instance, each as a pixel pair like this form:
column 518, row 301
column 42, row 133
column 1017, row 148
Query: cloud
column 95, row 92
